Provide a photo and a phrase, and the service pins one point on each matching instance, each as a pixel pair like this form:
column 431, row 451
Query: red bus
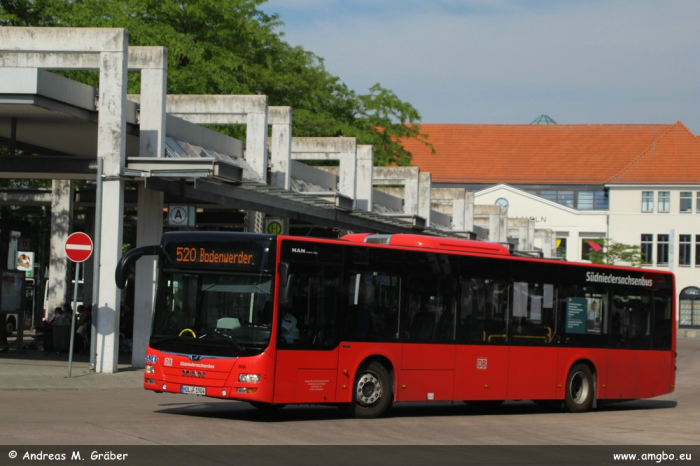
column 368, row 320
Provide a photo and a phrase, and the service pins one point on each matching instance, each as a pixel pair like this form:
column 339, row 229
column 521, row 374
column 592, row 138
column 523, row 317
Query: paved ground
column 41, row 406
column 36, row 370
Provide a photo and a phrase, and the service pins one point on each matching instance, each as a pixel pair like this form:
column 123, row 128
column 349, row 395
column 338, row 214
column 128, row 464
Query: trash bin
column 61, row 337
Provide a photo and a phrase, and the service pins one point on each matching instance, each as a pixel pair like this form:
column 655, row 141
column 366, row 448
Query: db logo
column 168, row 361
column 481, row 364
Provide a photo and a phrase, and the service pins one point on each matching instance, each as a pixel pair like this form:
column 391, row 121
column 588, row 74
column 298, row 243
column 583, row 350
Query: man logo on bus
column 481, row 364
column 186, row 373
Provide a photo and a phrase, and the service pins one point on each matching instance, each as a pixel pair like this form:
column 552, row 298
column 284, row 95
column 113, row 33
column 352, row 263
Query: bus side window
column 631, row 321
column 663, row 323
column 533, row 321
column 483, row 313
column 372, row 306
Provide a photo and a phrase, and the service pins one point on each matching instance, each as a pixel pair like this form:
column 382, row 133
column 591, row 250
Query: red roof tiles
column 559, row 154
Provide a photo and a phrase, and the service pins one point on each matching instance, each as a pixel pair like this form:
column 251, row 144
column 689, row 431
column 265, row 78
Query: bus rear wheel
column 372, row 392
column 580, row 390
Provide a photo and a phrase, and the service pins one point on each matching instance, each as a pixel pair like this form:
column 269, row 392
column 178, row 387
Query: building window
column 560, row 197
column 585, row 200
column 697, row 250
column 566, row 198
column 588, row 246
column 647, row 249
column 664, row 201
column 661, row 249
column 647, row 201
column 600, row 200
column 549, row 195
column 561, row 247
column 686, row 201
column 684, row 250
column 592, row 200
column 690, row 307
column 697, row 203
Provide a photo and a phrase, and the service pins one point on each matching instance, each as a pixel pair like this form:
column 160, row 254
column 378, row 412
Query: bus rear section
column 379, row 324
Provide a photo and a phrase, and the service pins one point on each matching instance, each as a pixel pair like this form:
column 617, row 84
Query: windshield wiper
column 157, row 340
column 227, row 339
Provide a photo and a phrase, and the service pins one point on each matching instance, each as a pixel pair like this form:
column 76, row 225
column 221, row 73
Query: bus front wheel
column 580, row 390
column 372, row 394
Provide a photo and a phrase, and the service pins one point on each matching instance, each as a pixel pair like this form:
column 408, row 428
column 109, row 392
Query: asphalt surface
column 42, row 406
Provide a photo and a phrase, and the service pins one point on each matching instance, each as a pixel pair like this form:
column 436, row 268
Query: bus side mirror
column 126, row 263
column 287, row 282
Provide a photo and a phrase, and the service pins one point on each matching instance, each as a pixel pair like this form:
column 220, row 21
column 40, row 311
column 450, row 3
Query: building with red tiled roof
column 558, row 154
column 636, row 184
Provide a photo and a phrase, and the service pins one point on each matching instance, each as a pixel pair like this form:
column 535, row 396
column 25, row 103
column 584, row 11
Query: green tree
column 614, row 253
column 232, row 47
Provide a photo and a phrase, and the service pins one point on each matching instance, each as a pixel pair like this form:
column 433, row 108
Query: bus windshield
column 212, row 313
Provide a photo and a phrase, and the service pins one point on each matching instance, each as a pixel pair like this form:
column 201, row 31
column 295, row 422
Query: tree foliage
column 614, row 253
column 232, row 47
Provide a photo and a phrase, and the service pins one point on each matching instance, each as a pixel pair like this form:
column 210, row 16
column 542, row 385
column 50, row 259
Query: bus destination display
column 236, row 255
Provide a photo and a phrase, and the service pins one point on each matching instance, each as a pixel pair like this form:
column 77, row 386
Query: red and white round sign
column 78, row 247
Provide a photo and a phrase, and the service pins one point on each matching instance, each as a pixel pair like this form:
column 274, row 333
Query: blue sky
column 504, row 61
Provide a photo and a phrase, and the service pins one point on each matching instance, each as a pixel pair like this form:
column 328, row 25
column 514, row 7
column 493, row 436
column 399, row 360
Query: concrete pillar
column 365, row 167
column 469, row 211
column 256, row 156
column 256, row 143
column 281, row 146
column 348, row 174
column 494, row 227
column 61, row 227
column 153, row 62
column 458, row 210
column 149, row 229
column 503, row 226
column 111, row 141
column 424, row 198
column 411, row 195
column 154, row 79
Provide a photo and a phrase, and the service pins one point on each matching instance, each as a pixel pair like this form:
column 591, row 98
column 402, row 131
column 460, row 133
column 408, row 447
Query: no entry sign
column 78, row 247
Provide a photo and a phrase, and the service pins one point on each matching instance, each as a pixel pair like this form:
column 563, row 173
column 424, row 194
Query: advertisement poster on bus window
column 593, row 315
column 576, row 315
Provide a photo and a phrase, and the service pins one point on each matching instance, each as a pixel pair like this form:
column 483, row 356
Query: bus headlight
column 150, row 370
column 249, row 378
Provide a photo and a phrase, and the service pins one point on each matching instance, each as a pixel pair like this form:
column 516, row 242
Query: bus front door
column 305, row 375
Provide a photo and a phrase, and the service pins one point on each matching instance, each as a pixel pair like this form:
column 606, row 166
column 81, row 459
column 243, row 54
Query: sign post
column 78, row 249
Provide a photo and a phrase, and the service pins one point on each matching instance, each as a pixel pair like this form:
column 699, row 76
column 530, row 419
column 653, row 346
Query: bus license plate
column 187, row 390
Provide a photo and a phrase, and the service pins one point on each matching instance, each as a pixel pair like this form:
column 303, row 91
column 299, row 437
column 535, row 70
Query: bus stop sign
column 78, row 247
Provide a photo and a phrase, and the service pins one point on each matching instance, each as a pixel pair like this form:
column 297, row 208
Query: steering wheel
column 188, row 330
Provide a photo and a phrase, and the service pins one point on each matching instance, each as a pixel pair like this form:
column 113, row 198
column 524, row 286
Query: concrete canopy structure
column 62, row 130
